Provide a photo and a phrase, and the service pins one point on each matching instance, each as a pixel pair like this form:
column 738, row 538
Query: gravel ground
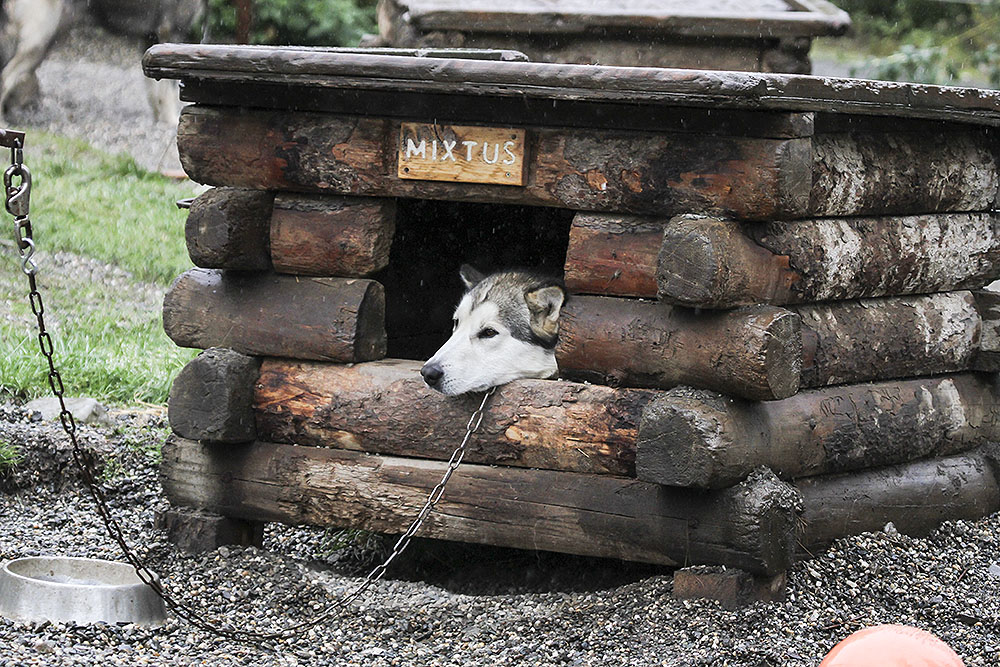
column 471, row 606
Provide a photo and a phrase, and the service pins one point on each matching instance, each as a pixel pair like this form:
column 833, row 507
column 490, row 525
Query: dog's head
column 506, row 327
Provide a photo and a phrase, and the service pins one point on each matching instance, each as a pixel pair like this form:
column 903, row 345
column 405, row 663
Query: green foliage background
column 301, row 22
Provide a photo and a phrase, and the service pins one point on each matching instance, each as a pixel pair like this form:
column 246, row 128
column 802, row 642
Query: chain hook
column 18, row 196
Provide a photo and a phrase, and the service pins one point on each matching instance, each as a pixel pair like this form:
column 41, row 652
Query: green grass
column 106, row 207
column 109, row 340
column 10, row 456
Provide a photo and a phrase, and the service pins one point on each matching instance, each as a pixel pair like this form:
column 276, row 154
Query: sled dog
column 506, row 327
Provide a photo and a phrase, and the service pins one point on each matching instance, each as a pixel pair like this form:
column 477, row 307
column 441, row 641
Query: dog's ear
column 470, row 277
column 544, row 305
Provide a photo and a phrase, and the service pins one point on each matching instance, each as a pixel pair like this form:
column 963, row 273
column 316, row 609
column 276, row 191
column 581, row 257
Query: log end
column 685, row 440
column 690, row 264
column 782, row 352
column 370, row 342
column 211, row 398
column 765, row 514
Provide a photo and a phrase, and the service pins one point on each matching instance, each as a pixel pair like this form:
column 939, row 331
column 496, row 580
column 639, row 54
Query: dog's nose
column 432, row 374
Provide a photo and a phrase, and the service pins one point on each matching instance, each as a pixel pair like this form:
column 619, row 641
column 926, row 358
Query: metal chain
column 17, row 184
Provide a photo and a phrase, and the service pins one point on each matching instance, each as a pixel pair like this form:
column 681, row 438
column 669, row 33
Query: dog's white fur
column 505, row 328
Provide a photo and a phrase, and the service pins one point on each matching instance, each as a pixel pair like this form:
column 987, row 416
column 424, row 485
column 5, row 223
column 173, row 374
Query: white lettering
column 506, row 149
column 448, row 146
column 413, row 149
column 496, row 153
column 469, row 145
column 434, row 149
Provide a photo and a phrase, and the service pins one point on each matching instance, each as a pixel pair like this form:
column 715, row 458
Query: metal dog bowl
column 78, row 590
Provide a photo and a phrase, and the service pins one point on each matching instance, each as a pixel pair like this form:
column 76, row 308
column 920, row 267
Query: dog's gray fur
column 506, row 327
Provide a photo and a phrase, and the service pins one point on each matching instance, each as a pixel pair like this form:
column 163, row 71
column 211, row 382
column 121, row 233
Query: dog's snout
column 432, row 374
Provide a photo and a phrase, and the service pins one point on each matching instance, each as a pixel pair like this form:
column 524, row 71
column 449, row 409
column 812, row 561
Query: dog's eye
column 488, row 332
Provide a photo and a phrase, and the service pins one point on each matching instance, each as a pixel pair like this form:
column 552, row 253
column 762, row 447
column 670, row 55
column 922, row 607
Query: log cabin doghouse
column 777, row 333
column 748, row 35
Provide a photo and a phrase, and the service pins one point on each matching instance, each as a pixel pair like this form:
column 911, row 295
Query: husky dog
column 506, row 327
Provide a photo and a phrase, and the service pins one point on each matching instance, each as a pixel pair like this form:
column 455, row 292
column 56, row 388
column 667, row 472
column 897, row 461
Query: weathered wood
column 988, row 356
column 731, row 588
column 196, row 531
column 754, row 352
column 227, row 228
column 348, row 237
column 713, row 263
column 362, row 74
column 385, row 407
column 915, row 497
column 266, row 314
column 613, row 255
column 750, row 526
column 891, row 337
column 877, row 173
column 211, row 398
column 606, row 170
column 750, row 18
column 703, row 439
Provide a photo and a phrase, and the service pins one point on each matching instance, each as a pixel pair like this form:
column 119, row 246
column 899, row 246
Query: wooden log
column 750, row 526
column 236, row 228
column 731, row 588
column 892, row 337
column 227, row 228
column 579, row 169
column 875, row 173
column 211, row 398
column 331, row 236
column 332, row 319
column 712, row 263
column 753, row 352
column 915, row 497
column 385, row 407
column 197, row 531
column 613, row 255
column 988, row 356
column 703, row 439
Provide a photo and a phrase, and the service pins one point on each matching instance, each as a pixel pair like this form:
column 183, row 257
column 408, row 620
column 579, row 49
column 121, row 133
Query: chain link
column 18, row 205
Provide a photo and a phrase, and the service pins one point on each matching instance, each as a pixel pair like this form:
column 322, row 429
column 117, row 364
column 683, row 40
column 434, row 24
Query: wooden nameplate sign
column 461, row 154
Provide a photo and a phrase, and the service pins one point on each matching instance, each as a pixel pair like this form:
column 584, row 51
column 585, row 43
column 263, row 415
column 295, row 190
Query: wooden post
column 713, row 263
column 265, row 314
column 211, row 398
column 731, row 588
column 196, row 531
column 227, row 229
column 750, row 526
column 703, row 439
column 385, row 407
column 753, row 352
column 915, row 497
column 892, row 337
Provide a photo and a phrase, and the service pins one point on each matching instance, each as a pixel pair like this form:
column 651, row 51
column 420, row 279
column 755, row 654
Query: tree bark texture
column 712, row 263
column 703, row 439
column 332, row 319
column 613, row 254
column 879, row 173
column 227, row 228
column 892, row 337
column 580, row 169
column 753, row 352
column 348, row 237
column 212, row 397
column 384, row 407
column 750, row 526
column 988, row 357
column 915, row 497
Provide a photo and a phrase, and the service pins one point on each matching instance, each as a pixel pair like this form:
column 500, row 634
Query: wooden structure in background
column 753, row 35
column 777, row 333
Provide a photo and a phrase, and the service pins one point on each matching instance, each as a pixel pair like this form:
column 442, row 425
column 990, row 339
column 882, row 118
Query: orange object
column 892, row 646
